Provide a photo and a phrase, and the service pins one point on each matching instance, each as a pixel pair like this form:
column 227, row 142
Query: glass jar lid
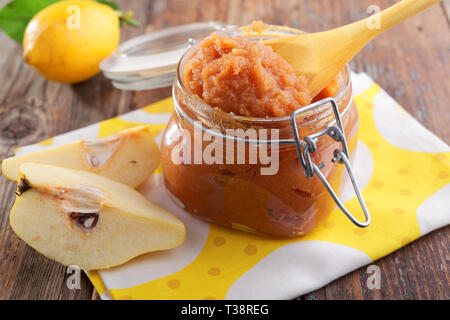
column 149, row 61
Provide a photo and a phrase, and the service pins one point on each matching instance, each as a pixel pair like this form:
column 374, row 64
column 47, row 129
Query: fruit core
column 23, row 186
column 81, row 204
column 99, row 151
column 84, row 221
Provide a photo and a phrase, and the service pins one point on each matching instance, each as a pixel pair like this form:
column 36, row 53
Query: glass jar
column 286, row 203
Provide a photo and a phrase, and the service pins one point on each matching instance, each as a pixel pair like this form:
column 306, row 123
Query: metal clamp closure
column 308, row 146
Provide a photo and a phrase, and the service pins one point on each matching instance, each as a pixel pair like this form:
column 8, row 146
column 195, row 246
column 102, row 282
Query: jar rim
column 257, row 120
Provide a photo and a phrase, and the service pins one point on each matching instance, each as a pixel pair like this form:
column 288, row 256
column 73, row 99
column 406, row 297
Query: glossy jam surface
column 245, row 78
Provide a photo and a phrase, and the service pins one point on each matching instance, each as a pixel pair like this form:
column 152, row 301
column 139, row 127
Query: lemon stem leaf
column 127, row 17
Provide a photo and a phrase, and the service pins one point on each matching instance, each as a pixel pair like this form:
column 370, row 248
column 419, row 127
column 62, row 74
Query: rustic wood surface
column 411, row 62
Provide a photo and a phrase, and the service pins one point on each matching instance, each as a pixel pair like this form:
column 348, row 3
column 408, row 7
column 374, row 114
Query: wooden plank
column 410, row 62
column 33, row 109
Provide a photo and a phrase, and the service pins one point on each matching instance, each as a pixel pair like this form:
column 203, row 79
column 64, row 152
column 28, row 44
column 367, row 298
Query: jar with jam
column 256, row 153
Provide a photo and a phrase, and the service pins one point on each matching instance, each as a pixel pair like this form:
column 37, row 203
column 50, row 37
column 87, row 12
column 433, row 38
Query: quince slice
column 80, row 218
column 129, row 157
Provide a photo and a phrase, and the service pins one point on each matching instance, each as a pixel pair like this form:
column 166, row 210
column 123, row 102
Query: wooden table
column 412, row 62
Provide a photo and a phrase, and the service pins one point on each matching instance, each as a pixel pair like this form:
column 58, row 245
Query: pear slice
column 80, row 218
column 129, row 157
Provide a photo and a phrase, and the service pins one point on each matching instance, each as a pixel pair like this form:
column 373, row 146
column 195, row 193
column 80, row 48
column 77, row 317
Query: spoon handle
column 348, row 40
column 320, row 56
column 397, row 13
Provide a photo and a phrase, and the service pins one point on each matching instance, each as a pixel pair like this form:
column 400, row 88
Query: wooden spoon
column 320, row 56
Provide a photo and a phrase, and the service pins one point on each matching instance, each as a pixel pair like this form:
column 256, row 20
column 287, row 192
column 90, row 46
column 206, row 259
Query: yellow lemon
column 66, row 41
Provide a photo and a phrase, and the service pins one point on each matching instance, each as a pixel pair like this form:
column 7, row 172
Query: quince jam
column 230, row 83
column 244, row 77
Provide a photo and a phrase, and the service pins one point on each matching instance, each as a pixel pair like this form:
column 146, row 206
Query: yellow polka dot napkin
column 402, row 168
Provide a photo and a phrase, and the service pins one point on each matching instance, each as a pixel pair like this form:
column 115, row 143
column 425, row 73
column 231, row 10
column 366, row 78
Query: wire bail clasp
column 308, row 145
